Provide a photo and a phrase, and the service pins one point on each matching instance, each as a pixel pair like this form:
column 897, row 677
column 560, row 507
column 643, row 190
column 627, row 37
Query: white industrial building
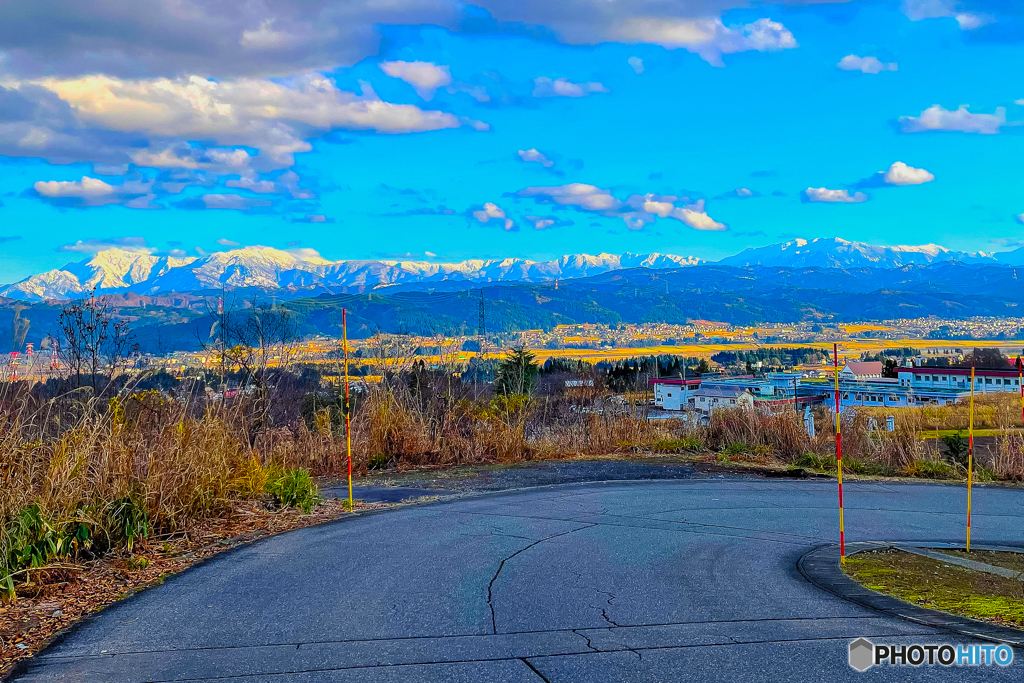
column 985, row 380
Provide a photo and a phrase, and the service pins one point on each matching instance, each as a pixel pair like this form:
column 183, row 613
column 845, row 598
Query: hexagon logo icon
column 862, row 654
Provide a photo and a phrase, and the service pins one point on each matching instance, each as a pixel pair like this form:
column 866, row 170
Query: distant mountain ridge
column 118, row 270
column 834, row 252
column 304, row 272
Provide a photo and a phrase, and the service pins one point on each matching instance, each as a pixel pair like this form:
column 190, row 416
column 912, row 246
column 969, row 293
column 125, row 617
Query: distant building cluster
column 860, row 383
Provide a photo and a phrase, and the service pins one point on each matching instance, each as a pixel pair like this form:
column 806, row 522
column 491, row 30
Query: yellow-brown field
column 848, row 349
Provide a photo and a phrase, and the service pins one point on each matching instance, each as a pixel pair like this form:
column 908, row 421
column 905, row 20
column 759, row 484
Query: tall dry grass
column 176, row 458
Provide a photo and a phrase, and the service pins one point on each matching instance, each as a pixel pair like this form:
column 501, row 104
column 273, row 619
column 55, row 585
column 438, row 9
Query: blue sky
column 510, row 129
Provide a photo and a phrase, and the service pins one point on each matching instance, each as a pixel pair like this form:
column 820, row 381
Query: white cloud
column 561, row 87
column 92, row 246
column 937, row 118
column 225, row 201
column 135, row 193
column 969, row 22
column 868, row 65
column 586, row 197
column 916, row 10
column 709, row 38
column 491, row 212
column 1020, row 102
column 425, row 77
column 536, row 156
column 698, row 219
column 743, row 192
column 218, row 160
column 253, row 184
column 228, row 243
column 821, row 194
column 266, row 38
column 286, row 183
column 1020, row 218
column 637, row 64
column 636, row 211
column 79, row 189
column 274, row 117
column 901, row 174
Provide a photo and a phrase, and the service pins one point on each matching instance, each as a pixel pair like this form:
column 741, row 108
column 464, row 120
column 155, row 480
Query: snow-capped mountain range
column 118, row 270
column 833, row 252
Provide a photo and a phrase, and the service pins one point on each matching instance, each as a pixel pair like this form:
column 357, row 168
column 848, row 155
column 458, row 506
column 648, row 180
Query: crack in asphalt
column 490, row 586
column 534, row 669
column 654, row 528
column 586, row 638
column 635, row 651
column 46, row 657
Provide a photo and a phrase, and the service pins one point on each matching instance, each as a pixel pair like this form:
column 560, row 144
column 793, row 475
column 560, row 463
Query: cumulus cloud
column 868, row 65
column 94, row 245
column 897, row 174
column 581, row 195
column 637, row 64
column 636, row 211
column 273, row 117
column 274, row 38
column 135, row 194
column 224, row 201
column 709, row 38
column 821, row 194
column 916, row 10
column 424, row 77
column 901, row 174
column 313, row 218
column 937, row 118
column 532, row 155
column 285, row 183
column 102, row 119
column 739, row 193
column 86, row 187
column 491, row 211
column 545, row 222
column 562, row 87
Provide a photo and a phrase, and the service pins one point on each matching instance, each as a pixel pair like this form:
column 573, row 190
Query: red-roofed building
column 861, row 370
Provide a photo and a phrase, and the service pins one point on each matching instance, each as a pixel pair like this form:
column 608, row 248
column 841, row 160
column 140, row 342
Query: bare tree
column 261, row 341
column 95, row 343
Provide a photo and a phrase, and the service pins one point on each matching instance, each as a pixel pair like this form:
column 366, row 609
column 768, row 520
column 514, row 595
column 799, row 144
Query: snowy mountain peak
column 269, row 268
column 835, row 252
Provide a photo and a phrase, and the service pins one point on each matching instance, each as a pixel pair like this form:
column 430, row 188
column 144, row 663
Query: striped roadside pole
column 348, row 418
column 839, row 457
column 970, row 458
column 1020, row 382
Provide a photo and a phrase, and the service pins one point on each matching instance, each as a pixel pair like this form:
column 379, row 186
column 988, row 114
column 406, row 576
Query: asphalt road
column 645, row 581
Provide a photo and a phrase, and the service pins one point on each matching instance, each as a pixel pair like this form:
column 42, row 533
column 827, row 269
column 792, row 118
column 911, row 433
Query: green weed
column 294, row 488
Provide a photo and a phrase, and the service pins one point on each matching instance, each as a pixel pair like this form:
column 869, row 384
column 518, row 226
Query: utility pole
column 481, row 329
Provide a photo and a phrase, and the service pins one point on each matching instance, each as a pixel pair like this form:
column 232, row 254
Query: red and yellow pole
column 348, row 416
column 839, row 457
column 970, row 459
column 1020, row 372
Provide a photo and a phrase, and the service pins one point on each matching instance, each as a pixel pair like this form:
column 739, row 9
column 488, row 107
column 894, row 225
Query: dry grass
column 150, row 464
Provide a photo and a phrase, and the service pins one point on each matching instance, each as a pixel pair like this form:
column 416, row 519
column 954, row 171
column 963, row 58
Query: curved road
column 621, row 581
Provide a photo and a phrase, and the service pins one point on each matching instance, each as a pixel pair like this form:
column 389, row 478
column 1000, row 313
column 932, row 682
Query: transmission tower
column 481, row 328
